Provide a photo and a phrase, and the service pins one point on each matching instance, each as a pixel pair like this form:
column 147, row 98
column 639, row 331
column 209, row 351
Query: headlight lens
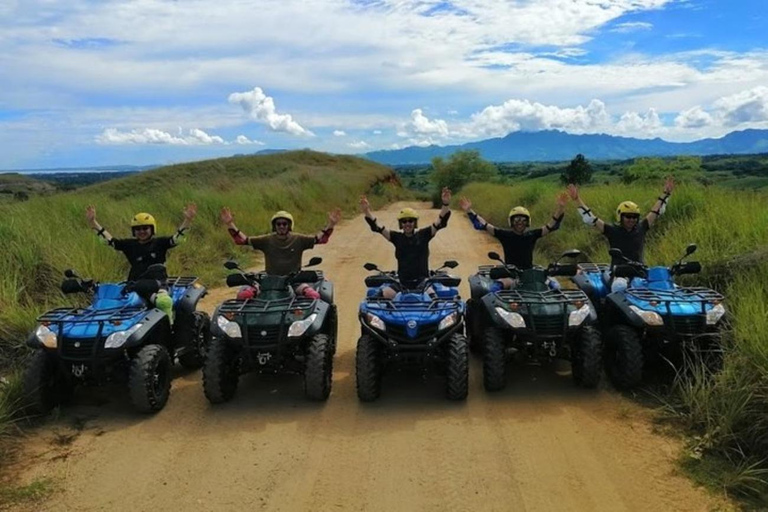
column 715, row 314
column 649, row 317
column 515, row 320
column 375, row 322
column 447, row 321
column 117, row 339
column 47, row 337
column 577, row 317
column 231, row 329
column 300, row 327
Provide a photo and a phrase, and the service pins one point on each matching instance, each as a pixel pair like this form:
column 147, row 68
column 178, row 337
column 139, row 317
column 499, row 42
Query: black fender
column 479, row 286
column 188, row 303
column 325, row 289
column 617, row 305
column 322, row 310
column 489, row 305
column 155, row 327
column 584, row 284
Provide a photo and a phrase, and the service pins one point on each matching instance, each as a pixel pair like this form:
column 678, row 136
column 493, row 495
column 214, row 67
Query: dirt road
column 542, row 444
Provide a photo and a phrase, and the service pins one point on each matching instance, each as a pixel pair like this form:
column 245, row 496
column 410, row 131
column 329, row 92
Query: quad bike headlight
column 649, row 317
column 715, row 314
column 447, row 321
column 47, row 337
column 118, row 339
column 300, row 326
column 231, row 329
column 515, row 320
column 375, row 322
column 576, row 318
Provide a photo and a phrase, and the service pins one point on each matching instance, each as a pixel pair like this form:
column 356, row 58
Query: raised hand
column 190, row 211
column 334, row 216
column 573, row 191
column 90, row 214
column 669, row 185
column 226, row 216
column 365, row 206
column 445, row 195
column 465, row 204
column 562, row 199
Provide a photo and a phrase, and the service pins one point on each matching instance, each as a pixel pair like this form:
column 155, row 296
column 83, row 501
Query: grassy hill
column 15, row 187
column 44, row 236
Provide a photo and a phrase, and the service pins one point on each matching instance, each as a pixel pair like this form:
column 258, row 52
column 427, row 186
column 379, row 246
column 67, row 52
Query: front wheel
column 457, row 368
column 475, row 326
column 586, row 364
column 494, row 360
column 318, row 368
column 149, row 381
column 368, row 369
column 624, row 357
column 199, row 342
column 44, row 385
column 220, row 372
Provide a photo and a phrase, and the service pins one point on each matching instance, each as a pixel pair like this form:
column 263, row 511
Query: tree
column 578, row 171
column 461, row 168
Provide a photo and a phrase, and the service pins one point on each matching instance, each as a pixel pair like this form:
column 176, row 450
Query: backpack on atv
column 274, row 332
column 412, row 329
column 119, row 337
column 532, row 321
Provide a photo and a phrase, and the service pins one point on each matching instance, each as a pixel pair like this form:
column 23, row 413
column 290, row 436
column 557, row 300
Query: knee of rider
column 310, row 292
column 247, row 292
column 164, row 302
column 554, row 284
column 497, row 286
column 619, row 284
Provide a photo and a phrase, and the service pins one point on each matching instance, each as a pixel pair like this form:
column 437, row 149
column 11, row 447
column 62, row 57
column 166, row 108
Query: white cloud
column 377, row 132
column 360, row 144
column 640, row 125
column 744, row 107
column 695, row 117
column 633, row 26
column 339, row 133
column 261, row 107
column 195, row 137
column 243, row 140
column 422, row 125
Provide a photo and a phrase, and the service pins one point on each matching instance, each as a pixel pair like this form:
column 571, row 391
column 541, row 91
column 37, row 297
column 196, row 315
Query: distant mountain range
column 555, row 145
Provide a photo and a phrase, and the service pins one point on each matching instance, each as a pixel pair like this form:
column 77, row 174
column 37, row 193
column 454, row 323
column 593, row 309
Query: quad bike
column 412, row 329
column 277, row 331
column 653, row 316
column 120, row 336
column 532, row 321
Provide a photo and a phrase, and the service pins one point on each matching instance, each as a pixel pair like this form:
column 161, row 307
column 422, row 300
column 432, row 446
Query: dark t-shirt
column 631, row 243
column 412, row 253
column 282, row 256
column 518, row 249
column 141, row 256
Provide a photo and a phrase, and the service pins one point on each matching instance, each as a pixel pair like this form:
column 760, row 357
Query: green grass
column 25, row 494
column 725, row 415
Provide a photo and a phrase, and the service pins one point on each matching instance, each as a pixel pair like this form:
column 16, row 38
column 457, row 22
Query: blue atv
column 533, row 321
column 653, row 316
column 119, row 337
column 413, row 329
column 274, row 332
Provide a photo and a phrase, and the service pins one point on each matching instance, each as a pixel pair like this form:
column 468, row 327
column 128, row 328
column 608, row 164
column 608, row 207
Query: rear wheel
column 199, row 342
column 149, row 381
column 494, row 360
column 586, row 365
column 457, row 368
column 368, row 369
column 45, row 386
column 221, row 372
column 318, row 368
column 624, row 357
column 333, row 330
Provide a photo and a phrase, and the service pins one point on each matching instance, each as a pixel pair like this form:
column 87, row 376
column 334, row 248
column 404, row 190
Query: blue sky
column 159, row 81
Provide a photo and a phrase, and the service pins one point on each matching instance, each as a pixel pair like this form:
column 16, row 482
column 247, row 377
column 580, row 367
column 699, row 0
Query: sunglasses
column 407, row 221
column 142, row 228
column 631, row 216
column 282, row 224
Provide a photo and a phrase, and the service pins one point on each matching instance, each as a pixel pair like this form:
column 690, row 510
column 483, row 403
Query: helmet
column 407, row 213
column 143, row 219
column 519, row 211
column 626, row 207
column 282, row 214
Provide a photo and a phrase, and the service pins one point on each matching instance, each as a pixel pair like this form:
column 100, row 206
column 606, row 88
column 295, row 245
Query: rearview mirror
column 572, row 253
column 370, row 266
column 494, row 256
column 616, row 253
column 690, row 249
column 70, row 273
column 451, row 264
column 315, row 260
column 231, row 265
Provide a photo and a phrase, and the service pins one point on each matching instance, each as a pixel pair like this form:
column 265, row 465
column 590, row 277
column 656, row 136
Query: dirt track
column 542, row 444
